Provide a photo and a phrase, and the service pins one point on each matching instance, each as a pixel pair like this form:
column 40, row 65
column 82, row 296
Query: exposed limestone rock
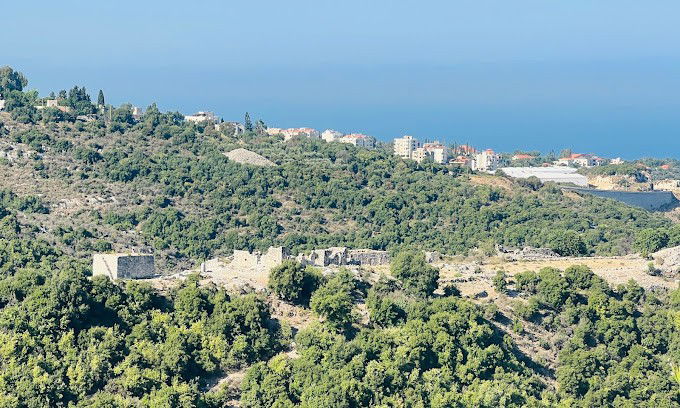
column 245, row 156
column 668, row 261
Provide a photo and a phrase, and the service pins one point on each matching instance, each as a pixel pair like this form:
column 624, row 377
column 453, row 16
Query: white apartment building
column 487, row 160
column 202, row 117
column 438, row 152
column 331, row 135
column 359, row 140
column 2, row 104
column 405, row 146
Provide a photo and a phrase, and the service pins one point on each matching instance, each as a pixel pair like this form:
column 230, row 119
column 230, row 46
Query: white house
column 331, row 135
column 358, row 139
column 289, row 134
column 580, row 160
column 202, row 117
column 136, row 113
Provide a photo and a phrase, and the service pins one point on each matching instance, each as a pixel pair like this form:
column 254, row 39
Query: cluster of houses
column 408, row 147
column 328, row 135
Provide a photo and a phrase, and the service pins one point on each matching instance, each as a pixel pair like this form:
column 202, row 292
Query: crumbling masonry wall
column 258, row 260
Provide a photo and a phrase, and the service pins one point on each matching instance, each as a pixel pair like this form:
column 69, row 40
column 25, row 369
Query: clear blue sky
column 600, row 76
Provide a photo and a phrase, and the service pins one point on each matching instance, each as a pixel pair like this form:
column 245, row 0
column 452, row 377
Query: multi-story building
column 487, row 160
column 359, row 140
column 438, row 152
column 331, row 135
column 405, row 146
column 202, row 117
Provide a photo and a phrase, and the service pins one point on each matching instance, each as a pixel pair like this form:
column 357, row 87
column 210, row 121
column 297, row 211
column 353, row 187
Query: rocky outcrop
column 667, row 261
column 245, row 156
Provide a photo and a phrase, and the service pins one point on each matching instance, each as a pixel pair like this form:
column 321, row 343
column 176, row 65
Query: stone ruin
column 337, row 256
column 524, row 254
column 123, row 266
column 340, row 256
column 258, row 260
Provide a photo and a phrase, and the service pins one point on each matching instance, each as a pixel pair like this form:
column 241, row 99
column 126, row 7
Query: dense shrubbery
column 293, row 282
column 68, row 339
column 622, row 343
column 446, row 355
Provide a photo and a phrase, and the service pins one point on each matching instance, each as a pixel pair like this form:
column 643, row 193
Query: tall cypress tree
column 247, row 123
column 100, row 98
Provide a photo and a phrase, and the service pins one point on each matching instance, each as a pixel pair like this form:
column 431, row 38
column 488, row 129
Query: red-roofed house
column 581, row 160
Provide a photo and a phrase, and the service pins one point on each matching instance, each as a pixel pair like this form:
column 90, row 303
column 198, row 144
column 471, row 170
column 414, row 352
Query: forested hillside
column 161, row 184
column 94, row 178
column 68, row 340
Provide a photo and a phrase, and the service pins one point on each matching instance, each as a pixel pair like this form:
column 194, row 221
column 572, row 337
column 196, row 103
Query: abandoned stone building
column 334, row 256
column 256, row 259
column 368, row 257
column 340, row 256
column 123, row 266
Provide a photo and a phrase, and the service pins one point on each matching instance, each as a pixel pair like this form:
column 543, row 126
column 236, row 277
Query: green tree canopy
column 11, row 80
column 416, row 275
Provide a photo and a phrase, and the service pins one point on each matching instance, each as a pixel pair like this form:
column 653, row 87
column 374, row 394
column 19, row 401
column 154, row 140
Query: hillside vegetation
column 164, row 185
column 111, row 182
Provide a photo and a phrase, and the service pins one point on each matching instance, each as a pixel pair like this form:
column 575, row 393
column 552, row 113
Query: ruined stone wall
column 244, row 259
column 368, row 257
column 136, row 267
column 123, row 266
column 273, row 257
column 105, row 264
column 256, row 260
